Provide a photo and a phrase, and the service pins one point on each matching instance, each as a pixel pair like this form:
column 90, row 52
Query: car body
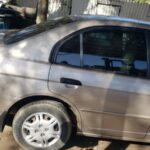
column 97, row 67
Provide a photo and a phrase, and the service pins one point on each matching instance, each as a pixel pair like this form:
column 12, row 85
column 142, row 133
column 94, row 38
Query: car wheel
column 42, row 125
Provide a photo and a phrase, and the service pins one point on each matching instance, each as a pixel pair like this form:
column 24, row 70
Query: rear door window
column 69, row 52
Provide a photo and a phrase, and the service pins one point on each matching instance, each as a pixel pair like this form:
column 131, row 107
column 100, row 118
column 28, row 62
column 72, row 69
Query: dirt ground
column 76, row 143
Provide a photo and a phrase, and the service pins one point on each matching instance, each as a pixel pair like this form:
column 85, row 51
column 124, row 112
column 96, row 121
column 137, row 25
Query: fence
column 56, row 7
column 123, row 8
column 27, row 3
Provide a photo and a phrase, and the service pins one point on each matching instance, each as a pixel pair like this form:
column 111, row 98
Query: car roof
column 61, row 21
column 109, row 18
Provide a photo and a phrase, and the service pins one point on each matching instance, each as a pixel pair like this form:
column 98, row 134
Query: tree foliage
column 143, row 1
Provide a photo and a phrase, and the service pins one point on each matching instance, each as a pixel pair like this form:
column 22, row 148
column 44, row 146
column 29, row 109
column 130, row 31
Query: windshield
column 35, row 29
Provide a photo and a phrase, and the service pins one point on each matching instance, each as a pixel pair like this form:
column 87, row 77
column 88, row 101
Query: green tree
column 143, row 1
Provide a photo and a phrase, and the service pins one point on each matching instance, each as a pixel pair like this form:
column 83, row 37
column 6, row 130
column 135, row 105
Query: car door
column 103, row 72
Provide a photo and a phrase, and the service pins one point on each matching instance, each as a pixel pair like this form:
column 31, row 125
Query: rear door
column 68, row 79
column 104, row 72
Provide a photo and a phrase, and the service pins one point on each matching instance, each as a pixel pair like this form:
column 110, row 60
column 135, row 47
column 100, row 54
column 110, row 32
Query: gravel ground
column 76, row 143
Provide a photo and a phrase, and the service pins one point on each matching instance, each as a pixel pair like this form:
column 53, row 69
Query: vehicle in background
column 11, row 20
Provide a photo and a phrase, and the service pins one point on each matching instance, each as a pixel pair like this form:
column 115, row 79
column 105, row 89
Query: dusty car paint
column 106, row 104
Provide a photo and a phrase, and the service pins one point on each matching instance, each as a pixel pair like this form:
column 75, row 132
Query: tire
column 42, row 125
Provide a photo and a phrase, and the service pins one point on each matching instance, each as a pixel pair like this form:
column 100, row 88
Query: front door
column 103, row 72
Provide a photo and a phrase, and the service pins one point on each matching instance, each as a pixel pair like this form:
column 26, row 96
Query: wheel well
column 14, row 109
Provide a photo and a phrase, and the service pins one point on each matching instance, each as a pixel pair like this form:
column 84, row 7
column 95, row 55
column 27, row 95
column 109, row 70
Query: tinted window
column 69, row 52
column 123, row 52
column 2, row 25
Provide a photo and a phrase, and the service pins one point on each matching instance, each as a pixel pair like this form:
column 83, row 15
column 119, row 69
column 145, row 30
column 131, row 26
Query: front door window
column 123, row 52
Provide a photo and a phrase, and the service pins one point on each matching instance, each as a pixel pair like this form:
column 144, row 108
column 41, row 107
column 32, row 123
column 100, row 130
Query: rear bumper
column 2, row 121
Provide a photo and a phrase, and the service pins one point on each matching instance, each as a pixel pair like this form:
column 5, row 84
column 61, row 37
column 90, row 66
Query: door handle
column 70, row 81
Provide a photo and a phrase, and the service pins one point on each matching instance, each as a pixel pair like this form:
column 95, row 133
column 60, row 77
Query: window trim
column 147, row 37
column 55, row 49
column 81, row 50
